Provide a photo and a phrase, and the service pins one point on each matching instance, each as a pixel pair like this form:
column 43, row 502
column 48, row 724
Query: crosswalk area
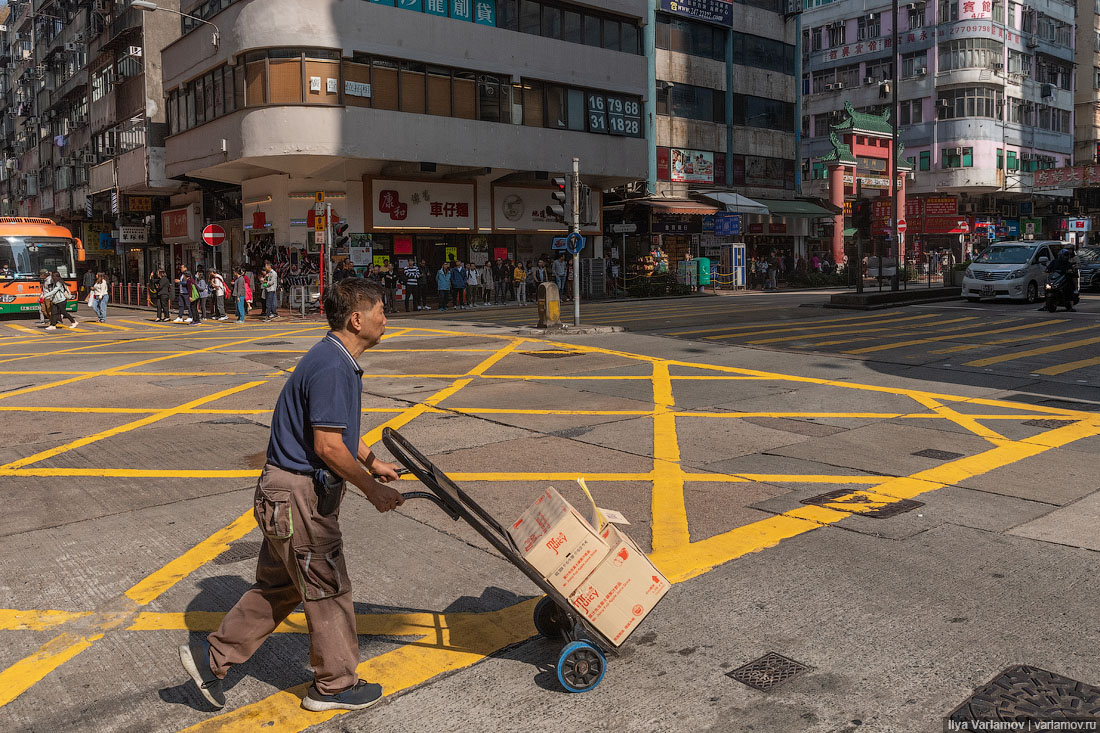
column 1000, row 338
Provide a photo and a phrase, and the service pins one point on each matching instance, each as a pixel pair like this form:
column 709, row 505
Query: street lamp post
column 149, row 6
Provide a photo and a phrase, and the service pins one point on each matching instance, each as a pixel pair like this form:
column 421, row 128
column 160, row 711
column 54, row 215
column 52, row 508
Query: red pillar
column 836, row 198
column 902, row 250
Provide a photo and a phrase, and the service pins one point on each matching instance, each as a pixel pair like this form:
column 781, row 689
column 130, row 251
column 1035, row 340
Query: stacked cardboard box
column 605, row 576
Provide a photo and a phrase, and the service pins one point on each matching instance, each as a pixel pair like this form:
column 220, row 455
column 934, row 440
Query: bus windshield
column 26, row 256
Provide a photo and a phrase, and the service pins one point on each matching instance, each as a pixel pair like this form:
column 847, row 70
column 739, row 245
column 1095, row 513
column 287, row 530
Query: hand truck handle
column 432, row 498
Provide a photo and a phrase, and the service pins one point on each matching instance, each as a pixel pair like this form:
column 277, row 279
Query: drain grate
column 1024, row 694
column 274, row 343
column 863, row 503
column 231, row 420
column 939, row 455
column 768, row 672
column 551, row 354
column 1044, row 423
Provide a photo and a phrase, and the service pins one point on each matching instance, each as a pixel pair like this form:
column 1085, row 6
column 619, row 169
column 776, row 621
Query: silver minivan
column 1014, row 270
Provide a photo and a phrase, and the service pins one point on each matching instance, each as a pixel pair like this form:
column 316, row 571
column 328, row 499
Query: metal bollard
column 549, row 302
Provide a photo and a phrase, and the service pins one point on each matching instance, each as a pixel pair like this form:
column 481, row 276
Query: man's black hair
column 348, row 296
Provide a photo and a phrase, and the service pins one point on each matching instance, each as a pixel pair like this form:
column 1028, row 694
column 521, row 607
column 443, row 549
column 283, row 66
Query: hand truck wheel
column 550, row 621
column 581, row 666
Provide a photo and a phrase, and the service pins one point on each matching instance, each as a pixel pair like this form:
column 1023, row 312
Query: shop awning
column 850, row 232
column 667, row 206
column 797, row 209
column 735, row 202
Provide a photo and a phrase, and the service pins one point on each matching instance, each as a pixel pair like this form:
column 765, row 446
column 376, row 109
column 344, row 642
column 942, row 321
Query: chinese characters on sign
column 916, row 36
column 397, row 204
column 1076, row 176
column 713, row 11
column 478, row 11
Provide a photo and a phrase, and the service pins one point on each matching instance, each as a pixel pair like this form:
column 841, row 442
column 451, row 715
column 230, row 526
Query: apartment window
column 868, row 26
column 203, row 99
column 687, row 36
column 970, row 102
column 1010, row 157
column 771, row 114
column 815, row 38
column 925, row 160
column 551, row 20
column 911, row 112
column 949, row 11
column 998, row 11
column 837, row 34
column 763, row 53
column 822, row 79
column 880, row 70
column 1053, row 119
column 821, row 125
column 848, row 76
column 1050, row 71
column 1020, row 112
column 969, row 53
column 914, row 64
column 692, row 102
column 763, row 172
column 957, row 157
column 1096, row 77
column 1000, row 159
column 916, row 15
column 1019, row 63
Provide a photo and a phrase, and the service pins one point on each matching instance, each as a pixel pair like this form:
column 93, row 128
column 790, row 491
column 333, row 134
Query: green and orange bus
column 29, row 245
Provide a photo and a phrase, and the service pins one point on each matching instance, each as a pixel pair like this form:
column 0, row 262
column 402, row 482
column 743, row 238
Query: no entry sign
column 902, row 226
column 213, row 235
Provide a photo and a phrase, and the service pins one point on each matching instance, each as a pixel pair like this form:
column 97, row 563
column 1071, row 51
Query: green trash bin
column 704, row 270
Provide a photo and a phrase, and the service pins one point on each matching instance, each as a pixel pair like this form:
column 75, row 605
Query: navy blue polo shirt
column 325, row 390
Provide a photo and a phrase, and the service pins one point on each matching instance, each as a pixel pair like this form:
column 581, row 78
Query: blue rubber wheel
column 581, row 666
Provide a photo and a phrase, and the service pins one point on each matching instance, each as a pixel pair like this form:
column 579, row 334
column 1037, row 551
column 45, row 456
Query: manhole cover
column 551, row 354
column 939, row 455
column 239, row 552
column 1043, row 423
column 273, row 343
column 1023, row 694
column 864, row 503
column 768, row 672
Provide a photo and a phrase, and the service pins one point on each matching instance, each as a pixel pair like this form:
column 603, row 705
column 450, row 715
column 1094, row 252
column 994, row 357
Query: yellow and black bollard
column 549, row 302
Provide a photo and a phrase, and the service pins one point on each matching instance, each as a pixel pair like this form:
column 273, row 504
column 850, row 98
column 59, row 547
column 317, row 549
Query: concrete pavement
column 134, row 452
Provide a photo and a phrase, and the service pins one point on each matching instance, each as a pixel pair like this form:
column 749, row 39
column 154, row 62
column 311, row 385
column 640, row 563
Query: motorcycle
column 1061, row 290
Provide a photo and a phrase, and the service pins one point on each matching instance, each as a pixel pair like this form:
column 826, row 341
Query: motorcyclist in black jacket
column 1065, row 265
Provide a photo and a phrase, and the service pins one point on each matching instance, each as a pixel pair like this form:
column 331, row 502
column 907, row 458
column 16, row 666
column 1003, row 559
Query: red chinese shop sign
column 1078, row 176
column 421, row 205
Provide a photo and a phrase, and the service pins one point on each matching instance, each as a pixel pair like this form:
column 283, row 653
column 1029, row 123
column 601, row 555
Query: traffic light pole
column 576, row 219
column 326, row 251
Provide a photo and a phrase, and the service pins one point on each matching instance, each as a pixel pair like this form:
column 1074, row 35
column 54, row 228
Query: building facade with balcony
column 85, row 123
column 726, row 99
column 986, row 99
column 433, row 131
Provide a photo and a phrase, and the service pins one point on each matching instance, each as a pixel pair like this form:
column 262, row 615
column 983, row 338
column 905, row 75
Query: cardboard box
column 621, row 591
column 558, row 542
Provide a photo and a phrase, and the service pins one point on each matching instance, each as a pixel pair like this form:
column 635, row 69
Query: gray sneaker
column 196, row 660
column 360, row 697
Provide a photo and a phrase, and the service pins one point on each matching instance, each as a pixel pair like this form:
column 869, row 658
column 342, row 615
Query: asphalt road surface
column 904, row 526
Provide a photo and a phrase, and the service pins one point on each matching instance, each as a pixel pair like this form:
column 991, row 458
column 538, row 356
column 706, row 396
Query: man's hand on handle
column 383, row 497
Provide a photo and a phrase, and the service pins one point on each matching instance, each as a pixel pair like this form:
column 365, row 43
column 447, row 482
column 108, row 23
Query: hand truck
column 583, row 659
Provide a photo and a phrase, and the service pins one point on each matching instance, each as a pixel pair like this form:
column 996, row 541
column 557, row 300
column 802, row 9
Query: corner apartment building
column 84, row 137
column 986, row 100
column 1086, row 110
column 433, row 127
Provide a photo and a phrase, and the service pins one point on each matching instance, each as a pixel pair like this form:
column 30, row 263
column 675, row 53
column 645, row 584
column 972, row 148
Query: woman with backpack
column 58, row 297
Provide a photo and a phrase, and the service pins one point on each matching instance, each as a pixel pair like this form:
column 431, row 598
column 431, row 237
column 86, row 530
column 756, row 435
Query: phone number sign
column 712, row 11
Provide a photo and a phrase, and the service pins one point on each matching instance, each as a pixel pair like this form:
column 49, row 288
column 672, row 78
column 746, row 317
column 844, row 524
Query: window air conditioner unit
column 1032, row 42
column 955, row 151
column 872, row 16
column 1026, row 156
column 996, row 66
column 837, row 24
column 838, row 85
column 869, row 80
column 72, row 47
column 829, row 87
column 88, row 159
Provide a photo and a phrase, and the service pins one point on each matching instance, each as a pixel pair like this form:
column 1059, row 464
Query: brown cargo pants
column 301, row 561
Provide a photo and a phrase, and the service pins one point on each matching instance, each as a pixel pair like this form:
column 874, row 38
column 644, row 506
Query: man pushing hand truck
column 313, row 450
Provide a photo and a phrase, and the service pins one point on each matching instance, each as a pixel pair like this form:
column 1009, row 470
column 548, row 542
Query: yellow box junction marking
column 443, row 642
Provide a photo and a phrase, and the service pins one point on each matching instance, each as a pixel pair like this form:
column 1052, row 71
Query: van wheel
column 1032, row 292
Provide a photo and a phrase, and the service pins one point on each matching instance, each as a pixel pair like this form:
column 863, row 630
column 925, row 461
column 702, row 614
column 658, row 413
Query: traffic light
column 340, row 234
column 861, row 217
column 560, row 195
